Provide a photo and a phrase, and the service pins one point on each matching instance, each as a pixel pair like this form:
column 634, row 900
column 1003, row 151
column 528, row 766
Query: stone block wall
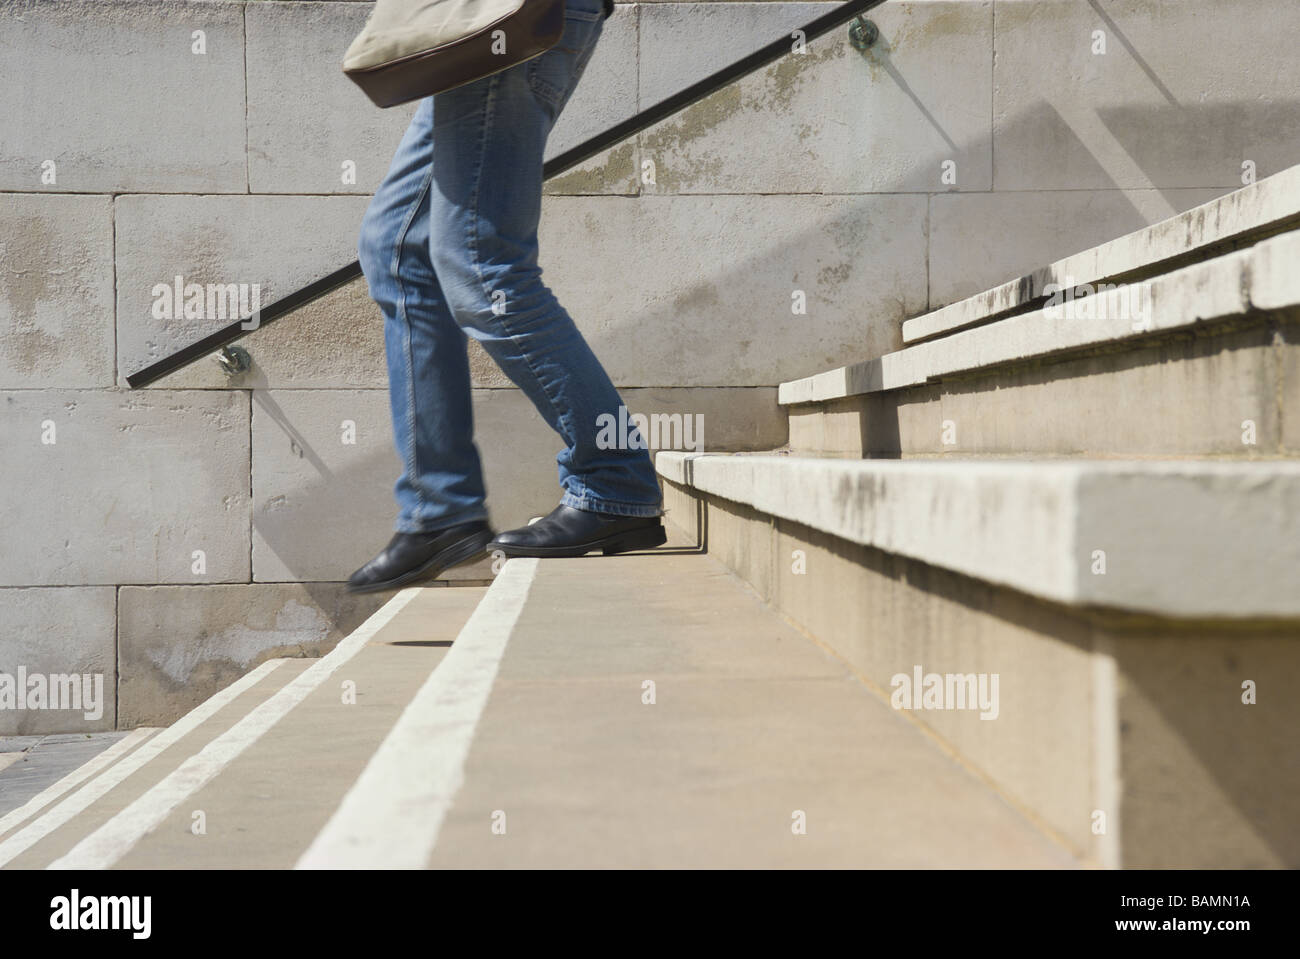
column 171, row 538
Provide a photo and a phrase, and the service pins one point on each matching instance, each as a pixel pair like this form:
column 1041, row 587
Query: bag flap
column 403, row 28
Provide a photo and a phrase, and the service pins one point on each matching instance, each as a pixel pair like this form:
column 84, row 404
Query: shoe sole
column 645, row 537
column 465, row 551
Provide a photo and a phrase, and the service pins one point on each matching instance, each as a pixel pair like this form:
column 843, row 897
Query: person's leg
column 442, row 519
column 485, row 203
column 441, row 484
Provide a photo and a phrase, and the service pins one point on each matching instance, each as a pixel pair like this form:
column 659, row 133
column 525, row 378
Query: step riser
column 1138, row 717
column 1225, row 392
column 1247, row 288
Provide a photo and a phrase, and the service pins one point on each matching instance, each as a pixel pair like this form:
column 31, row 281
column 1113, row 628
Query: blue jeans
column 449, row 249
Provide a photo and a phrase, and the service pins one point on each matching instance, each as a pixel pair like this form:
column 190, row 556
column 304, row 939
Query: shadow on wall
column 227, row 632
column 1166, row 144
column 1205, row 751
column 1163, row 142
column 321, row 509
column 976, row 241
column 318, row 513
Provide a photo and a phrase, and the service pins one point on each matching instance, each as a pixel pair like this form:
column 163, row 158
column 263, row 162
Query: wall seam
column 117, row 656
column 248, row 179
column 251, row 577
column 112, row 257
column 993, row 93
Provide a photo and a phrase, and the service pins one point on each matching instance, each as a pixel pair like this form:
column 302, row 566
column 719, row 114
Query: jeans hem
column 442, row 522
column 595, row 505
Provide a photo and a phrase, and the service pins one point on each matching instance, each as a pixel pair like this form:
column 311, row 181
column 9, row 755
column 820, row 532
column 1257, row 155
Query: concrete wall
column 977, row 140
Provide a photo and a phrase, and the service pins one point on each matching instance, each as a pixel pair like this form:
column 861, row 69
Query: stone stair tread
column 1183, row 538
column 64, row 833
column 752, row 722
column 267, row 804
column 38, row 762
column 1226, row 287
column 1236, row 218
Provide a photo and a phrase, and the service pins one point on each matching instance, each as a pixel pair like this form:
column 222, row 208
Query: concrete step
column 1239, row 219
column 1133, row 613
column 694, row 728
column 224, row 729
column 56, row 828
column 30, row 780
column 267, row 803
column 97, row 813
column 1205, row 360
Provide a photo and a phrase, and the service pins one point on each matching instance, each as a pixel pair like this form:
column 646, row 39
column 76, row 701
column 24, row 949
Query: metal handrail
column 552, row 168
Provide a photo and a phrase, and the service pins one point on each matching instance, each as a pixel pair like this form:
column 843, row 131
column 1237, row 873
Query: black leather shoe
column 566, row 531
column 412, row 556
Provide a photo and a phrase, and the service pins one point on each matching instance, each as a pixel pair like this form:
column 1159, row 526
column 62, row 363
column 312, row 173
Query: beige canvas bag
column 411, row 49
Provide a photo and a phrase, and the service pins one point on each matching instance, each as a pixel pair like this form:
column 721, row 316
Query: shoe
column 566, row 531
column 412, row 556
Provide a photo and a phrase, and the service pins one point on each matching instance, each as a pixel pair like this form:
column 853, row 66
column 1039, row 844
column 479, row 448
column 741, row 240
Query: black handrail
column 553, row 167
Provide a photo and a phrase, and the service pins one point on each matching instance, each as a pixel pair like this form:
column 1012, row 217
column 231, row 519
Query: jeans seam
column 467, row 515
column 557, row 98
column 412, row 448
column 561, row 416
column 543, row 88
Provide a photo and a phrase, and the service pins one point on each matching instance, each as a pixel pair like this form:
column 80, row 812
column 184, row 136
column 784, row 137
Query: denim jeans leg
column 489, row 139
column 441, row 483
